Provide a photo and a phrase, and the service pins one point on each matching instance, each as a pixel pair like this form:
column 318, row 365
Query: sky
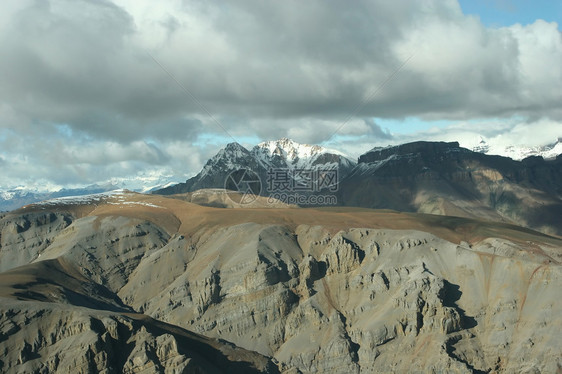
column 98, row 90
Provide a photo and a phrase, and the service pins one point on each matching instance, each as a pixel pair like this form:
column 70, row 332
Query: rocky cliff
column 443, row 178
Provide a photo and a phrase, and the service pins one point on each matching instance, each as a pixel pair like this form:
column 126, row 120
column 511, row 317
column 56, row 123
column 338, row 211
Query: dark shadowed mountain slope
column 443, row 178
column 428, row 177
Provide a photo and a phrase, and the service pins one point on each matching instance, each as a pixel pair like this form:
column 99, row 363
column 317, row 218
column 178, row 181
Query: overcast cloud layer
column 93, row 89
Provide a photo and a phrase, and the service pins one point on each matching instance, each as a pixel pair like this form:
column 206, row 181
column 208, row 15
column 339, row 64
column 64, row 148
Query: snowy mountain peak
column 232, row 156
column 232, row 150
column 482, row 146
column 295, row 154
column 518, row 152
column 276, row 154
column 290, row 149
column 235, row 147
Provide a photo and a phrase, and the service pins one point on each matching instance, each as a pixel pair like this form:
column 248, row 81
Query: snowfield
column 85, row 199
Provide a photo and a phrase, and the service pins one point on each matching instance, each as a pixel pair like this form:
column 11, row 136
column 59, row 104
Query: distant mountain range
column 430, row 177
column 427, row 177
column 14, row 197
column 520, row 152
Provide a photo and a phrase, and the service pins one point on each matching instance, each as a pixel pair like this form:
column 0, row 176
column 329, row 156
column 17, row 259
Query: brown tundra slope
column 134, row 283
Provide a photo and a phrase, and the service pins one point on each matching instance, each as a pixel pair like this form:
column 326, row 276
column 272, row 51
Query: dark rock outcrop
column 444, row 178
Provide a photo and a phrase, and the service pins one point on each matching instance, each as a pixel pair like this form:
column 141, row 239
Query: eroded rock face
column 48, row 338
column 317, row 300
column 355, row 301
column 107, row 250
column 23, row 238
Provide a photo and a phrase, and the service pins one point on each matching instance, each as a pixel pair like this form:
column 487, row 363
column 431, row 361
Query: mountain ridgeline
column 281, row 154
column 17, row 197
column 444, row 178
column 427, row 177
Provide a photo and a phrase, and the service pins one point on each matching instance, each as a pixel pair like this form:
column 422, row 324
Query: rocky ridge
column 444, row 178
column 426, row 177
column 282, row 154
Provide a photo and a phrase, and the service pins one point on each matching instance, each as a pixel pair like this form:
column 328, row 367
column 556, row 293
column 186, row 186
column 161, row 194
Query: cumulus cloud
column 307, row 70
column 99, row 161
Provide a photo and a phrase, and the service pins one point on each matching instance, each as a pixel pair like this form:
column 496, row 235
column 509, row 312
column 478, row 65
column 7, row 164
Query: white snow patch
column 518, row 152
column 141, row 203
column 301, row 156
column 85, row 199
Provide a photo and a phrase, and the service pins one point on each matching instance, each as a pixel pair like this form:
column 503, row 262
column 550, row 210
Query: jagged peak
column 234, row 146
column 292, row 149
column 231, row 150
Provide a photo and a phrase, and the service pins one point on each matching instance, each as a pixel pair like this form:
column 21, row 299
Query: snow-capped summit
column 15, row 197
column 233, row 156
column 289, row 149
column 294, row 155
column 283, row 153
column 276, row 154
column 553, row 151
column 482, row 147
column 19, row 196
column 519, row 152
column 234, row 149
